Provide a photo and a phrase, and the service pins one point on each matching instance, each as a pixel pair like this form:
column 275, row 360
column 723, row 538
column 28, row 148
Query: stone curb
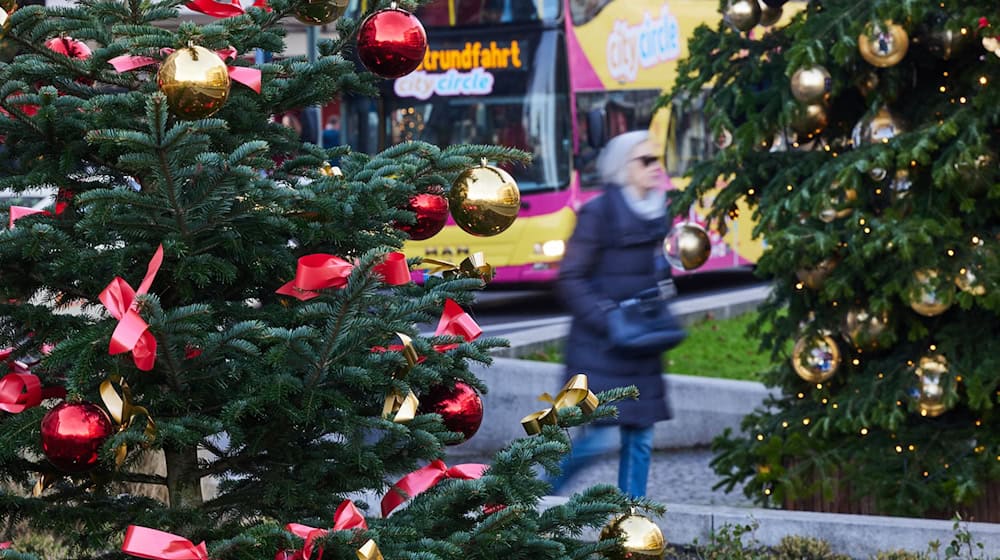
column 858, row 536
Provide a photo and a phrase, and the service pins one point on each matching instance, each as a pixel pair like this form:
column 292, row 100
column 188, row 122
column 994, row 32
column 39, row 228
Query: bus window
column 465, row 13
column 618, row 112
column 583, row 11
column 689, row 138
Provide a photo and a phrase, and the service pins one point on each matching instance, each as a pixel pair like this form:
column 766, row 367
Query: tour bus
column 555, row 78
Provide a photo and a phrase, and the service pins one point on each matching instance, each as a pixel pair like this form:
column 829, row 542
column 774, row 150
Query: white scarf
column 654, row 205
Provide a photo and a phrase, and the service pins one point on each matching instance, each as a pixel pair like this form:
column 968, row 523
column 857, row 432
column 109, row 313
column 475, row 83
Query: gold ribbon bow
column 369, row 551
column 124, row 412
column 402, row 408
column 474, row 266
column 573, row 393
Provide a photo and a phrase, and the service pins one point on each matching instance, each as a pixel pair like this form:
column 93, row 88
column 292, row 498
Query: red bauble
column 392, row 43
column 72, row 434
column 459, row 406
column 69, row 47
column 431, row 212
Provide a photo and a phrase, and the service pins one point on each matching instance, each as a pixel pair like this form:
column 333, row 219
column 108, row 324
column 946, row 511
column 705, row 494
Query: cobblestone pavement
column 678, row 476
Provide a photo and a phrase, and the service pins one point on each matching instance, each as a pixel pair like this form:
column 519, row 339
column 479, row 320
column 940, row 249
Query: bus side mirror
column 597, row 135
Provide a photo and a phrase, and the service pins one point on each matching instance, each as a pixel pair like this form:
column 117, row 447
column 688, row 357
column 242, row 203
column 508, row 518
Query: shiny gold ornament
column 4, row 22
column 992, row 44
column 868, row 82
column 320, row 12
column 808, row 120
column 641, row 538
column 811, row 84
column 195, row 81
column 769, row 15
column 878, row 128
column 484, row 200
column 815, row 357
column 968, row 281
column 934, row 382
column 883, row 44
column 901, row 184
column 863, row 328
column 742, row 15
column 946, row 43
column 928, row 295
column 687, row 246
column 840, row 204
column 813, row 278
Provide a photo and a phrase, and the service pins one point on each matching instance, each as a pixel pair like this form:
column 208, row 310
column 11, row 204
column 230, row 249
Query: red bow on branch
column 159, row 545
column 422, row 479
column 132, row 332
column 456, row 322
column 346, row 517
column 20, row 389
column 222, row 9
column 249, row 77
column 18, row 212
column 320, row 271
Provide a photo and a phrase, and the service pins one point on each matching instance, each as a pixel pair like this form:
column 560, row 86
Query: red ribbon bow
column 422, row 479
column 346, row 517
column 18, row 212
column 320, row 271
column 132, row 332
column 249, row 77
column 223, row 10
column 160, row 545
column 456, row 322
column 20, row 389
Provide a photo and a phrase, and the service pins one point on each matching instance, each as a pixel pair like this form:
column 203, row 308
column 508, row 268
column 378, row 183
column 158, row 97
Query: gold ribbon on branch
column 402, row 408
column 473, row 266
column 124, row 412
column 574, row 393
column 369, row 551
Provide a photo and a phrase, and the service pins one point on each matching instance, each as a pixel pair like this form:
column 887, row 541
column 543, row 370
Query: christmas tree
column 207, row 300
column 864, row 137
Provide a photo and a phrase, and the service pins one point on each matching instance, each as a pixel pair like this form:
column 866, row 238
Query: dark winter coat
column 610, row 257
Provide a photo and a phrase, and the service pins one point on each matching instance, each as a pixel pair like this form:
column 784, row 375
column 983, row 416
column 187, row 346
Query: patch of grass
column 719, row 348
column 713, row 348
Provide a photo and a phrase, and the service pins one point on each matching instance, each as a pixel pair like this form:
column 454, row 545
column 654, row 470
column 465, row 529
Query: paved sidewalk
column 678, row 476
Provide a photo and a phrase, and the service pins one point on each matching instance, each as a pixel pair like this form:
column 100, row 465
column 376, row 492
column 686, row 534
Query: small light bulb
column 864, row 431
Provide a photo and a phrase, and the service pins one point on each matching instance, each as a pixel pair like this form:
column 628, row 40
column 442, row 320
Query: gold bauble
column 811, row 84
column 934, row 381
column 815, row 357
column 195, row 81
column 687, row 246
column 840, row 204
column 883, row 44
column 769, row 15
column 863, row 328
column 808, row 120
column 868, row 82
column 742, row 15
column 641, row 538
column 880, row 127
column 813, row 278
column 320, row 12
column 945, row 43
column 968, row 281
column 928, row 295
column 484, row 200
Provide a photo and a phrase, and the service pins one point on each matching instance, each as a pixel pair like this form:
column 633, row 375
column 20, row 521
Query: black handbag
column 643, row 324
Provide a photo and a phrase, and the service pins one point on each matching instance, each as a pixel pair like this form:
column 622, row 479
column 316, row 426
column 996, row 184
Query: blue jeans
column 633, row 463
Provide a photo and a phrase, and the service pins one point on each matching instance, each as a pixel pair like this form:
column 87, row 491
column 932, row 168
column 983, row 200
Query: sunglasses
column 647, row 160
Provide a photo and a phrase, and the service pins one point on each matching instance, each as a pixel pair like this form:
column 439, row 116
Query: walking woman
column 615, row 252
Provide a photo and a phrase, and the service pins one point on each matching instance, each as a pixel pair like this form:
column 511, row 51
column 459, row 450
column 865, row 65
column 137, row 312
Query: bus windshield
column 509, row 91
column 465, row 13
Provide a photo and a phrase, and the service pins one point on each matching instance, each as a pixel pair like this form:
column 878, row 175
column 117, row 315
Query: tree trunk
column 183, row 480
